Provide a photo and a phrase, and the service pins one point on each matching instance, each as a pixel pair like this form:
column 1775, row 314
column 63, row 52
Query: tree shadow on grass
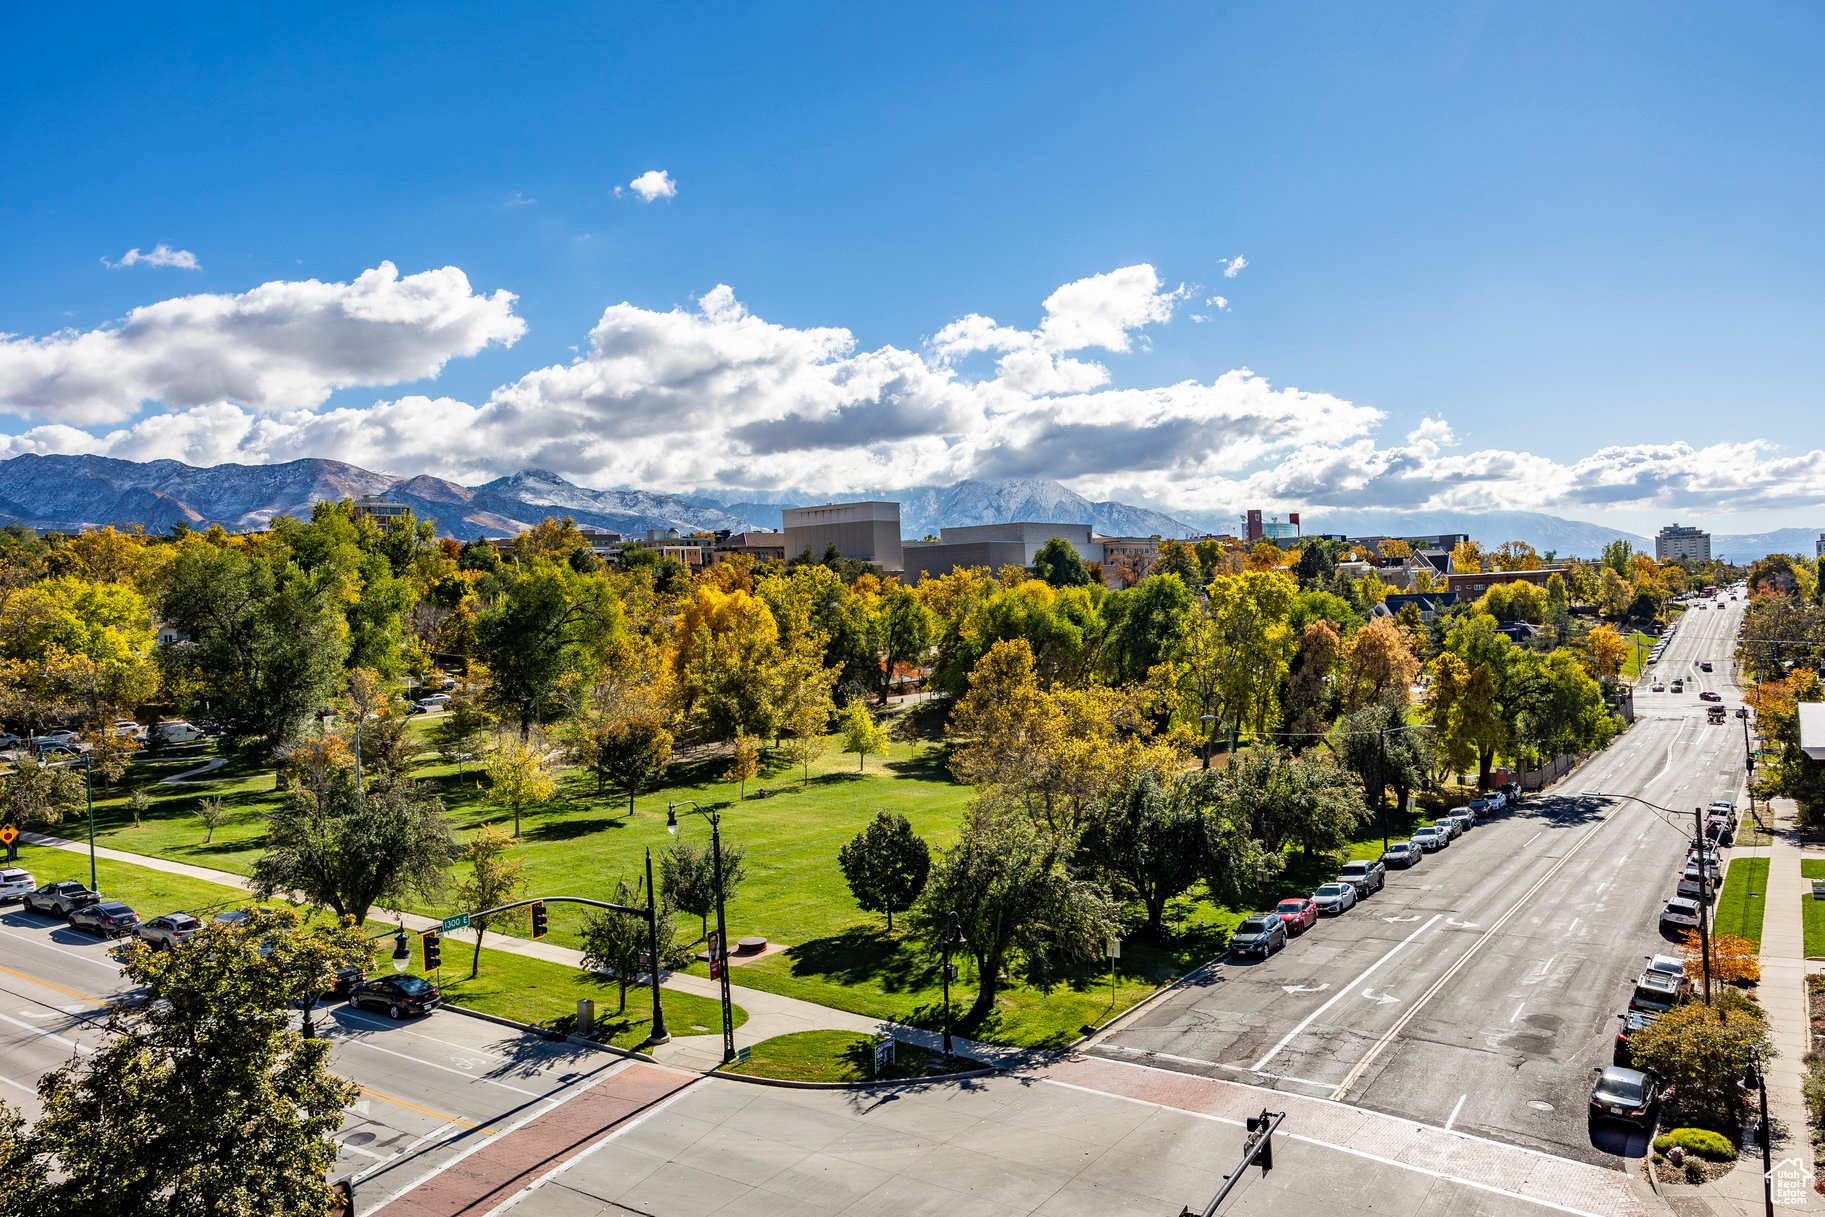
column 927, row 765
column 572, row 827
column 862, row 954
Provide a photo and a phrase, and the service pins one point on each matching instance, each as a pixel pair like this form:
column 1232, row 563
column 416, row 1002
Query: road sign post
column 883, row 1057
column 1112, row 947
column 458, row 922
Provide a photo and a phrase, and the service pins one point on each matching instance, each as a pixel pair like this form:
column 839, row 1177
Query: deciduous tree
column 1701, row 1049
column 495, row 877
column 519, row 776
column 350, row 850
column 744, row 762
column 886, row 865
column 1148, row 841
column 687, row 876
column 861, row 734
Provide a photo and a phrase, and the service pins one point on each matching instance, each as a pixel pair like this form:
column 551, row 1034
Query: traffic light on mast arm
column 538, row 919
column 434, row 951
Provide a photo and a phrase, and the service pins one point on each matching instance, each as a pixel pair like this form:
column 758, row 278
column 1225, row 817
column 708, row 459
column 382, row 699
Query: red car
column 1708, row 695
column 1299, row 913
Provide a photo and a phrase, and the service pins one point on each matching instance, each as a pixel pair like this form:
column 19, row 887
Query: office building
column 761, row 546
column 1257, row 526
column 867, row 532
column 379, row 508
column 1674, row 542
column 1472, row 584
column 993, row 546
column 1821, row 545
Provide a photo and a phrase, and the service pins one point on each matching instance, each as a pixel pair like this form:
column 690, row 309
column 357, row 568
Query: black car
column 1624, row 1094
column 60, row 899
column 347, row 979
column 106, row 919
column 1632, row 1021
column 1261, row 934
column 397, row 995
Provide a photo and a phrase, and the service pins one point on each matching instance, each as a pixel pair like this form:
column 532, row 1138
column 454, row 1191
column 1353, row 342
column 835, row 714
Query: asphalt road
column 431, row 1088
column 1480, row 989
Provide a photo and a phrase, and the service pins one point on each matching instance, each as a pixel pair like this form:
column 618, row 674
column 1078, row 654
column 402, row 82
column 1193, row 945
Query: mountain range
column 83, row 491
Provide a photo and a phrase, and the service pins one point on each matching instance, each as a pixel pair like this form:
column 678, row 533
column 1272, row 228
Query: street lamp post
column 719, row 956
column 953, row 937
column 88, row 795
column 1757, row 1079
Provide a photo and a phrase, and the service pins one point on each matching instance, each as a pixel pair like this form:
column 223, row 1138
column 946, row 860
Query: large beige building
column 993, row 546
column 1675, row 542
column 868, row 532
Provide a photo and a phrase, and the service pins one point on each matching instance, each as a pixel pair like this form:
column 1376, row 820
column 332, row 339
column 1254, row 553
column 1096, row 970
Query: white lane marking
column 1319, row 988
column 64, row 951
column 1573, row 925
column 406, row 1152
column 575, row 1088
column 1547, row 966
column 1462, row 925
column 1430, row 1173
column 1192, row 1060
column 364, row 1152
column 1341, row 993
column 1380, row 999
column 1398, row 920
column 1459, row 1107
column 1533, row 838
column 36, row 1014
column 21, row 1085
column 627, row 1126
column 49, row 1035
column 364, row 1016
column 1515, row 1015
column 473, row 1077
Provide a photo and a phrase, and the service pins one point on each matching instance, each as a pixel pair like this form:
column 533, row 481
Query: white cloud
column 654, row 184
column 711, row 397
column 1232, row 266
column 282, row 346
column 1221, row 302
column 161, row 255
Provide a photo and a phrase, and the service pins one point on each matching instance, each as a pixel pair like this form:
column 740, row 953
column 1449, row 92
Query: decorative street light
column 719, row 950
column 953, row 938
column 402, row 950
column 1207, row 718
column 1755, row 1079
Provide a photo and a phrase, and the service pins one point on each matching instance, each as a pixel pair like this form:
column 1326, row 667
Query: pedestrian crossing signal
column 538, row 919
column 433, row 948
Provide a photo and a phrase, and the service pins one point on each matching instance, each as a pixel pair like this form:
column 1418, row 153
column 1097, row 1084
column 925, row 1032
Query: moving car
column 1681, row 911
column 60, row 899
column 171, row 930
column 1261, row 934
column 1704, row 665
column 1403, row 854
column 1432, row 838
column 104, row 919
column 1297, row 913
column 1366, row 876
column 1335, row 897
column 1658, row 992
column 1657, row 687
column 398, row 995
column 1624, row 1094
column 15, row 884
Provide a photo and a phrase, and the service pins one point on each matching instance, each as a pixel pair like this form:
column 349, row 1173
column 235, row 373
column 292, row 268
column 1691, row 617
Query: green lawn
column 841, row 1056
column 526, row 990
column 1814, row 868
column 1639, row 646
column 1740, row 905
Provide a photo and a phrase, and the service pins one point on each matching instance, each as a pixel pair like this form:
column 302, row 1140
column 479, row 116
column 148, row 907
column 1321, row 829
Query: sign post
column 1113, row 949
column 458, row 922
column 8, row 836
column 716, row 963
column 883, row 1057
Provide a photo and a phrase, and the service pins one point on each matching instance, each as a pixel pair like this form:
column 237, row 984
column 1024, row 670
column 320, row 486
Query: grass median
column 1741, row 904
column 1814, row 914
column 842, row 1056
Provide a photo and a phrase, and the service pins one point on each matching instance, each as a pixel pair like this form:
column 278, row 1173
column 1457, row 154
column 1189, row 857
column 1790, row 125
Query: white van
column 178, row 732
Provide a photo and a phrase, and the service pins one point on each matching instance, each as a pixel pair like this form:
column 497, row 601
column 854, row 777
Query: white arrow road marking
column 1379, row 998
column 1305, row 988
column 1463, row 925
column 1398, row 920
column 35, row 1014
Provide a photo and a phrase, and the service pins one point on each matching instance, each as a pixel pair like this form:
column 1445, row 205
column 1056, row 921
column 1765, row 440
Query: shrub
column 1713, row 1147
column 1812, row 1090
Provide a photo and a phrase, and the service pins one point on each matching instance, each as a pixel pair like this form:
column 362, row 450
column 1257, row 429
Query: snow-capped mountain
column 929, row 509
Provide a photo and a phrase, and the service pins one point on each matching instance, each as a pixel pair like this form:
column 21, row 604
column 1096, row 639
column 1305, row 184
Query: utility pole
column 659, row 1034
column 1381, row 799
column 1704, row 901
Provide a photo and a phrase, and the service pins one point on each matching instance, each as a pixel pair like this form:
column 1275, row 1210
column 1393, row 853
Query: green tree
column 519, row 777
column 204, row 1103
column 347, row 850
column 902, row 629
column 1148, row 841
column 495, row 877
column 744, row 761
column 1308, row 801
column 861, row 734
column 886, row 865
column 1020, row 905
column 1619, row 556
column 627, row 756
column 211, row 813
column 459, row 735
column 535, row 633
column 37, row 793
column 687, row 875
column 617, row 943
column 1701, row 1050
column 1059, row 564
column 1143, row 624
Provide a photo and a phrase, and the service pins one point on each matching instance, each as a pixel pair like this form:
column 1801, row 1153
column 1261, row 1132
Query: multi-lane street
column 431, row 1089
column 1480, row 988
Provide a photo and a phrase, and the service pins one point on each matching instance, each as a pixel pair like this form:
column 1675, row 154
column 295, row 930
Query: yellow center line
column 426, row 1111
column 53, row 985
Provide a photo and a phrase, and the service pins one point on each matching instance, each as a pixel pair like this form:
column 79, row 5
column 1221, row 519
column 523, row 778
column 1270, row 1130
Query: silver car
column 16, row 883
column 171, row 930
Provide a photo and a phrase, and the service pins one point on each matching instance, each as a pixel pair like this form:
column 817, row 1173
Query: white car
column 56, row 737
column 1672, row 965
column 1335, row 897
column 15, row 883
column 1432, row 838
column 128, row 727
column 433, row 703
column 1722, row 807
column 1680, row 911
column 1691, row 885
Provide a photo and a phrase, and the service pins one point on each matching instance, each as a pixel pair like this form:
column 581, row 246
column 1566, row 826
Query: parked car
column 129, row 727
column 234, row 919
column 8, row 740
column 1479, row 807
column 55, row 737
column 1498, row 800
column 1403, row 854
column 1707, row 859
column 1672, row 965
column 1632, row 1021
column 1464, row 819
column 176, row 732
column 1450, row 826
column 60, row 899
column 398, row 995
column 433, row 703
column 1624, row 1094
column 171, row 930
column 1366, row 876
column 1432, row 838
column 1681, row 911
column 1261, row 934
column 1297, row 913
column 104, row 919
column 1658, row 992
column 15, row 884
column 1335, row 897
column 1722, row 807
column 1690, row 884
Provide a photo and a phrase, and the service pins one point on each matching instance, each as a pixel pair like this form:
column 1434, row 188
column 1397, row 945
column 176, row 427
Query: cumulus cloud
column 653, row 184
column 161, row 255
column 711, row 397
column 282, row 346
column 1232, row 266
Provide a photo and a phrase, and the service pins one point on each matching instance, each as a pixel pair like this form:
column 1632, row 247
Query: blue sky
column 1553, row 233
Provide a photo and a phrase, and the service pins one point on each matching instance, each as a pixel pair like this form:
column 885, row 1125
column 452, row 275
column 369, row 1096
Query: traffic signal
column 434, row 951
column 538, row 919
column 1260, row 1128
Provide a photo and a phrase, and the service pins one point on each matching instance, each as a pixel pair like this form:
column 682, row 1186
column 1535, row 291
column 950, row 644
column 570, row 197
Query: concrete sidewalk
column 769, row 1014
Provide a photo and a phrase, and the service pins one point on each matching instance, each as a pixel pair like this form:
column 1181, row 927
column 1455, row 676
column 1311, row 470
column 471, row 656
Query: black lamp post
column 719, row 953
column 88, row 795
column 953, row 937
column 402, row 950
column 1755, row 1079
column 1210, row 721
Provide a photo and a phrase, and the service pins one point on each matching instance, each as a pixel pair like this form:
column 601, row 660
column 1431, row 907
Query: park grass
column 1813, row 868
column 841, row 1056
column 1740, row 905
column 1639, row 646
column 150, row 893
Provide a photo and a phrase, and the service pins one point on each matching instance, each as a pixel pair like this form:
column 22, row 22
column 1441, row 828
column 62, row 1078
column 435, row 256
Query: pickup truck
column 60, row 899
column 1365, row 876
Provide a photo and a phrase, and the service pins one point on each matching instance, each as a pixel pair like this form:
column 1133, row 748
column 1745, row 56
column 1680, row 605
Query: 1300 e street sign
column 458, row 922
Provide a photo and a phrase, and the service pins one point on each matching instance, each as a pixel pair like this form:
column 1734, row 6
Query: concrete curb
column 791, row 1085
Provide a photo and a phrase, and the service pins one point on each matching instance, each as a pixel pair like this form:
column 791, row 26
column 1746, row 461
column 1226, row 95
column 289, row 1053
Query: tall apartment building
column 868, row 532
column 1821, row 545
column 1675, row 542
